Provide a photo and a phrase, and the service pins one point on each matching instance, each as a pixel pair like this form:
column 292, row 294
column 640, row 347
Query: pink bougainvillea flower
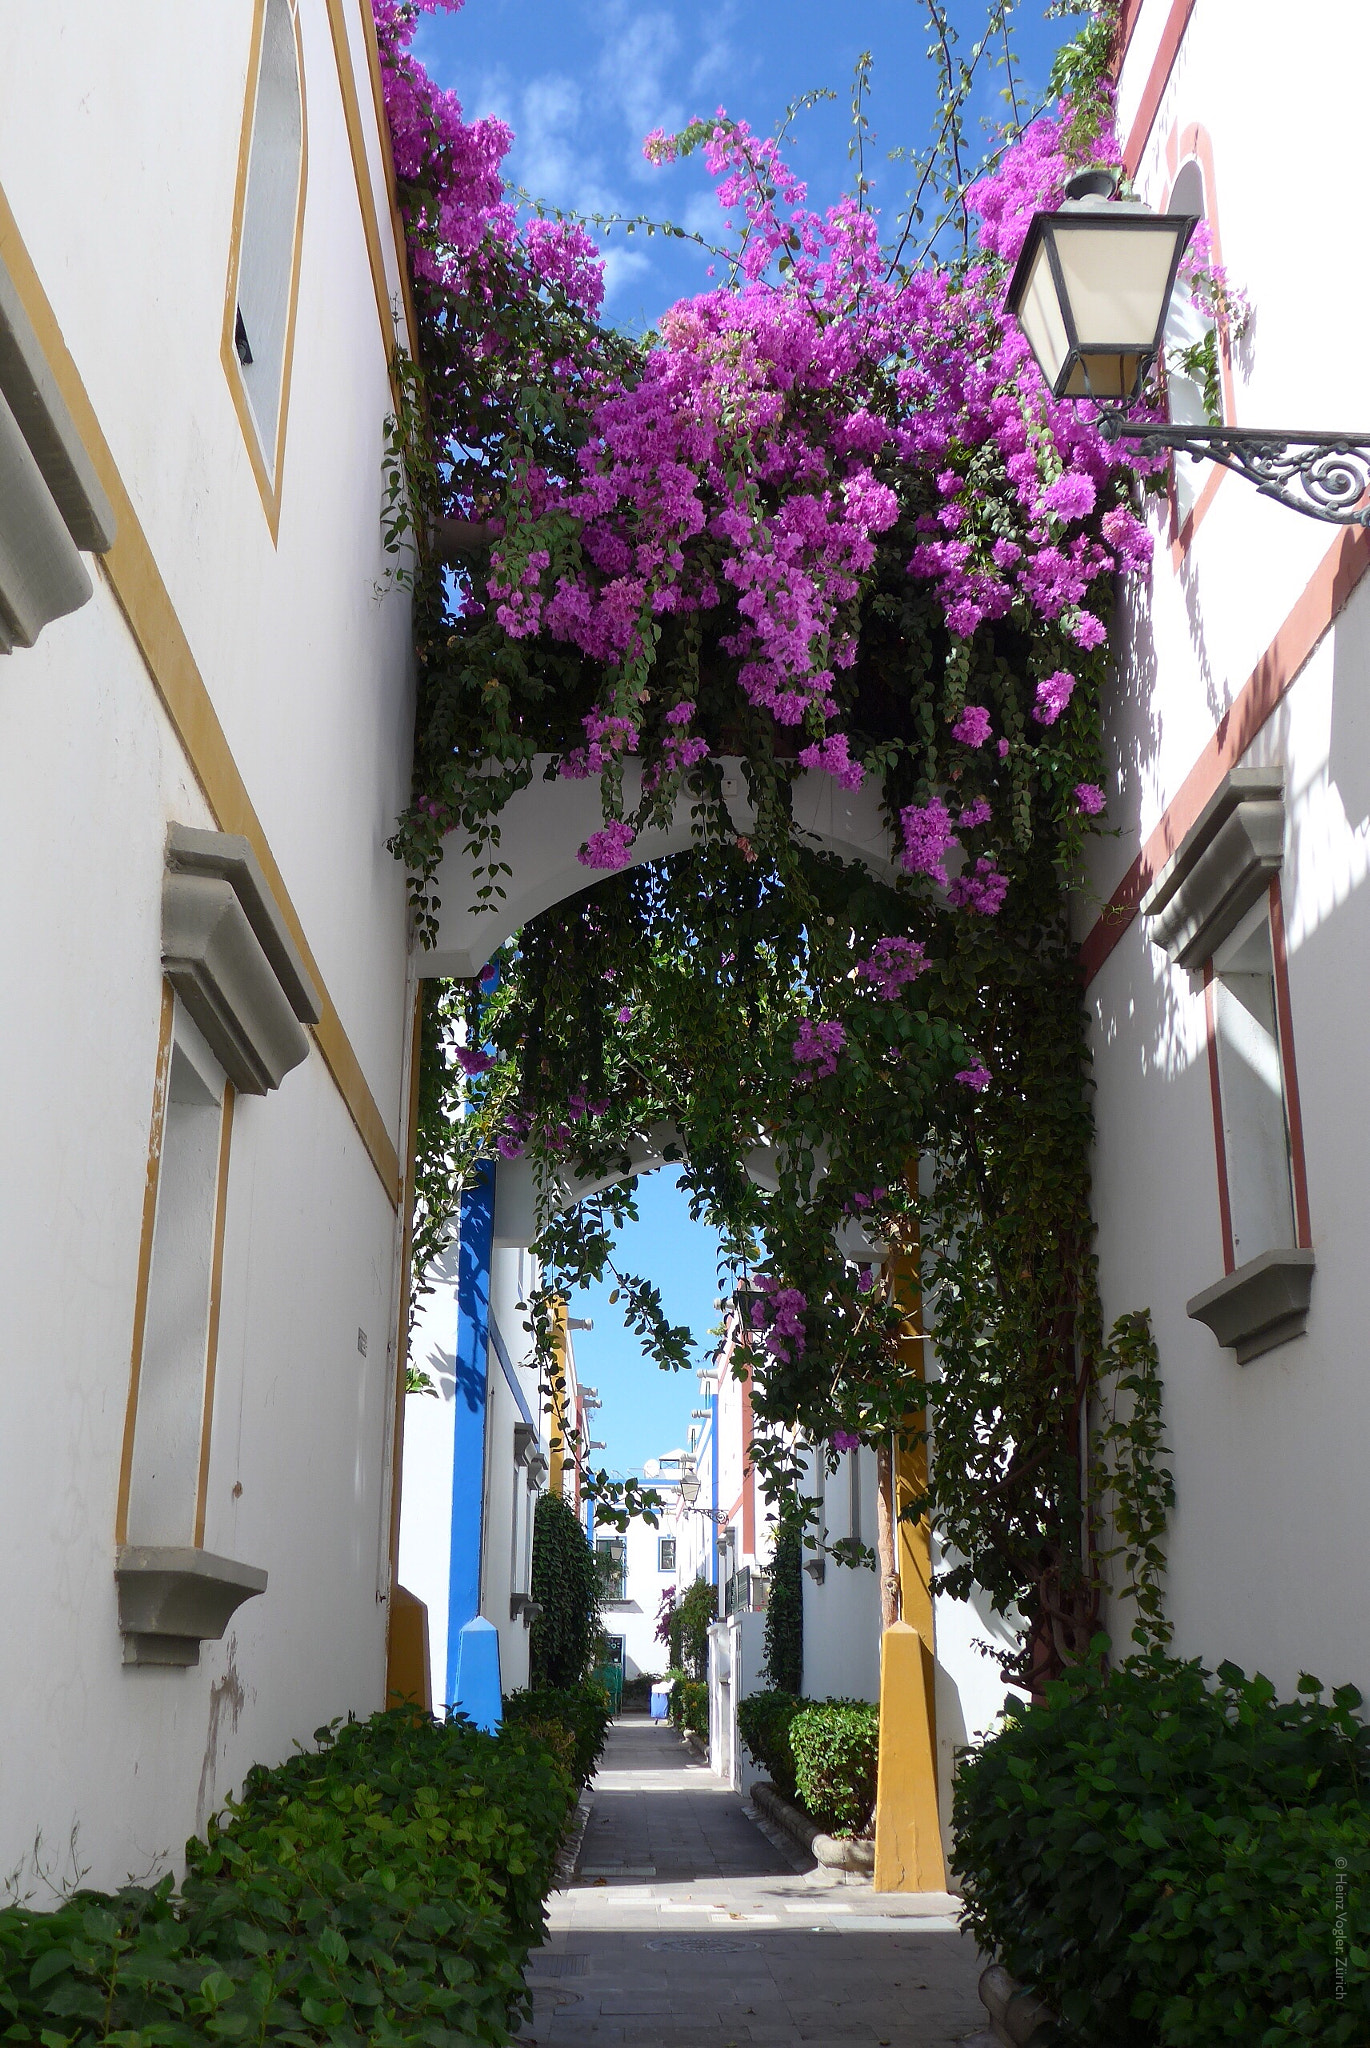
column 1089, row 799
column 817, row 1047
column 473, row 1061
column 977, row 812
column 972, row 728
column 1053, row 694
column 927, row 838
column 976, row 1076
column 609, row 848
column 845, row 1439
column 981, row 889
column 834, row 759
column 893, row 962
column 625, row 1014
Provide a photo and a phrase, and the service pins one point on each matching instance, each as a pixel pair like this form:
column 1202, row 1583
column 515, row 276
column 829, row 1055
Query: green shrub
column 691, row 1620
column 690, row 1704
column 567, row 1586
column 637, row 1692
column 836, row 1746
column 785, row 1608
column 763, row 1721
column 581, row 1711
column 1165, row 1853
column 383, row 1889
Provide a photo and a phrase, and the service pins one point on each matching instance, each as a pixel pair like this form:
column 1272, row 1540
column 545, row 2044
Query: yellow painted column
column 908, row 1835
column 556, row 1455
column 407, row 1679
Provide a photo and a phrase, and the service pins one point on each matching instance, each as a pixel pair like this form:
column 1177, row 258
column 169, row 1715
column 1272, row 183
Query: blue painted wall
column 469, row 1676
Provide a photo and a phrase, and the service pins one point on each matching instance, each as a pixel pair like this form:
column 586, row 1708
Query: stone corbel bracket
column 52, row 504
column 1222, row 865
column 229, row 955
column 172, row 1599
column 1262, row 1304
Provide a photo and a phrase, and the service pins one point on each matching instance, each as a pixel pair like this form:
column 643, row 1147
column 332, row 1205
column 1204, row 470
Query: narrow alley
column 686, row 1927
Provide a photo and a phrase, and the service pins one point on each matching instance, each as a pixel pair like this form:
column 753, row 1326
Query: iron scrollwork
column 1324, row 476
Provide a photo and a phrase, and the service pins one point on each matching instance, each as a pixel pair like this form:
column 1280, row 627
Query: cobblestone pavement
column 686, row 1926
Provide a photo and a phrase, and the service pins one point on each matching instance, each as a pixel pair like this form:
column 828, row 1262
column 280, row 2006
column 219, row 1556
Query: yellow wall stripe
column 146, row 604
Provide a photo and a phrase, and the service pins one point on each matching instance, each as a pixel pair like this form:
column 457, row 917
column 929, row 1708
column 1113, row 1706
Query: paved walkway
column 686, row 1926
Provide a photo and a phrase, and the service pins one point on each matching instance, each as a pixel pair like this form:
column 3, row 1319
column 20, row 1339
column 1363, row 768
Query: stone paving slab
column 687, row 1926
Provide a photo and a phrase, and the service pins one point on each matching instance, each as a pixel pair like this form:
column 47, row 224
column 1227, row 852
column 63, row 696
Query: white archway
column 543, row 827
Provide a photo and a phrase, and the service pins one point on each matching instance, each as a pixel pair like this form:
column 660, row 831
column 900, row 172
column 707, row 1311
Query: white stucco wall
column 118, row 157
column 1268, row 1557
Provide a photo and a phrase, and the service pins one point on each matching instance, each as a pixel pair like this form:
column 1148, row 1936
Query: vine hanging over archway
column 825, row 520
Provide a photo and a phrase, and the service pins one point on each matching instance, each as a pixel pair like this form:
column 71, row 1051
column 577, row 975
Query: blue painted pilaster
column 472, row 1644
column 713, row 1438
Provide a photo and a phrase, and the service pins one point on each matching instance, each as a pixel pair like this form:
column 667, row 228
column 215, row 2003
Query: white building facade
column 1226, row 942
column 206, row 712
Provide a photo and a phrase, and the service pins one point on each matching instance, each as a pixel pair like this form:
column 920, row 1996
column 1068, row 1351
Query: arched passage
column 543, row 827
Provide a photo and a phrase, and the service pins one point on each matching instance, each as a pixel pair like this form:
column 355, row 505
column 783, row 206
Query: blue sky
column 647, row 1411
column 582, row 81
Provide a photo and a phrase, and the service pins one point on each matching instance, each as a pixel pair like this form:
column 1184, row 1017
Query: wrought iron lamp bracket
column 1324, row 476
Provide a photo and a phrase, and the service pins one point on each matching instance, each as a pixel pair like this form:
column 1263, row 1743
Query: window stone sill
column 1263, row 1304
column 173, row 1598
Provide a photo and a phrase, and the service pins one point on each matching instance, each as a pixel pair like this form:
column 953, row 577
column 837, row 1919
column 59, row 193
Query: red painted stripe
column 1158, row 78
column 1219, row 1137
column 1284, row 1011
column 1332, row 583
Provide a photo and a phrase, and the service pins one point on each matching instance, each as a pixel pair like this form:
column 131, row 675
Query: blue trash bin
column 661, row 1702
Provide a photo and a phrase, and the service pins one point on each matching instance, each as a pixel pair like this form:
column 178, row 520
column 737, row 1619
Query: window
column 175, row 1368
column 613, row 1650
column 1215, row 910
column 665, row 1554
column 611, row 1555
column 1251, row 1093
column 260, row 314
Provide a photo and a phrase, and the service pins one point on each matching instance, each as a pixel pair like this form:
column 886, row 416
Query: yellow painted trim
column 908, row 1838
column 411, row 1153
column 216, row 1275
column 161, row 1076
column 373, row 59
column 556, row 1454
column 133, row 576
column 268, row 480
column 361, row 171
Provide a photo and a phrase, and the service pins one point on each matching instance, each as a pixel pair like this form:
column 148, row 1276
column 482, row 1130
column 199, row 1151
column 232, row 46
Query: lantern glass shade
column 688, row 1488
column 1090, row 292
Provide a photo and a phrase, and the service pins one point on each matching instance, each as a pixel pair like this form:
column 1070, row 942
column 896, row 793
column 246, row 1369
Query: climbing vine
column 823, row 527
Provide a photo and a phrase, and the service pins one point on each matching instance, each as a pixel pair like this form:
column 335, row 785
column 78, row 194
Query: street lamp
column 1091, row 290
column 687, row 1492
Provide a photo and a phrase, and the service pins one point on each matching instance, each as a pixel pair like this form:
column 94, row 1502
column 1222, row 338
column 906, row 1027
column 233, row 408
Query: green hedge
column 583, row 1711
column 785, row 1607
column 763, row 1722
column 1177, row 1858
column 383, row 1889
column 836, row 1748
column 566, row 1585
column 690, row 1704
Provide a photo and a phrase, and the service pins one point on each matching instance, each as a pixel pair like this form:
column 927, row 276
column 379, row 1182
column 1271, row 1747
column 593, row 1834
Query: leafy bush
column 836, row 1746
column 384, row 1889
column 785, row 1608
column 690, row 1704
column 690, row 1621
column 763, row 1721
column 567, row 1586
column 637, row 1692
column 1165, row 1853
column 581, row 1712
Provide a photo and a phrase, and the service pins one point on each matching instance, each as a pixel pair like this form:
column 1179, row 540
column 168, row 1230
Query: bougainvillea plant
column 825, row 522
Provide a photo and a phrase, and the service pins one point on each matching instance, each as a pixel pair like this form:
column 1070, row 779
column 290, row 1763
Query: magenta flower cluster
column 817, row 1047
column 780, row 1312
column 892, row 964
